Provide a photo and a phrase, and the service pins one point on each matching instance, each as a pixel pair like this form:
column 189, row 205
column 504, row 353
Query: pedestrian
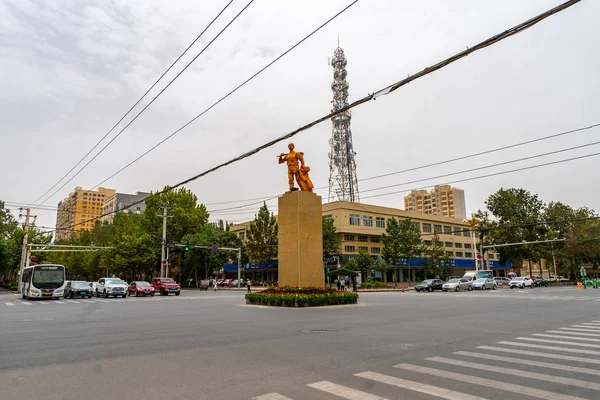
column 343, row 284
column 248, row 283
column 347, row 281
column 215, row 285
column 339, row 284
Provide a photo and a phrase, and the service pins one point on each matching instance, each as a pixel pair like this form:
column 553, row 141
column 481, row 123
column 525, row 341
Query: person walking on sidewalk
column 248, row 283
column 343, row 284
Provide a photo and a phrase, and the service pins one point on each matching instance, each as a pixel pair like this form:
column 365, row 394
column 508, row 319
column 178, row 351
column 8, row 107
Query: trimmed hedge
column 301, row 300
column 374, row 285
column 297, row 290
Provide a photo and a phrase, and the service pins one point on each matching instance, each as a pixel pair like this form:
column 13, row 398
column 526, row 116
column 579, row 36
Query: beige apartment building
column 78, row 208
column 360, row 227
column 442, row 200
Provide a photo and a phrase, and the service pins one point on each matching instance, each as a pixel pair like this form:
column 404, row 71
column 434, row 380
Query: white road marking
column 271, row 396
column 521, row 361
column 9, row 304
column 566, row 337
column 102, row 301
column 590, row 324
column 595, row 328
column 575, row 333
column 60, row 302
column 74, row 301
column 520, row 373
column 593, row 346
column 541, row 346
column 538, row 354
column 579, row 330
column 26, row 303
column 490, row 383
column 44, row 302
column 417, row 386
column 343, row 391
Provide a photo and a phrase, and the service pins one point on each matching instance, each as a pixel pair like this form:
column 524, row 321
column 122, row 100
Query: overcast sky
column 70, row 69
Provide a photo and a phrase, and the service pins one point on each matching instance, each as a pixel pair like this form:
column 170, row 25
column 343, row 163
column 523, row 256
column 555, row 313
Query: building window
column 437, row 228
column 467, row 233
column 375, row 239
column 375, row 250
column 469, row 255
column 328, row 216
column 427, row 242
column 417, row 226
column 450, row 253
column 448, row 230
column 349, row 238
column 363, row 239
column 354, row 219
column 243, row 235
column 367, row 220
column 459, row 254
column 426, row 228
column 457, row 231
column 458, row 245
column 468, row 246
column 380, row 222
column 363, row 248
column 349, row 249
column 449, row 244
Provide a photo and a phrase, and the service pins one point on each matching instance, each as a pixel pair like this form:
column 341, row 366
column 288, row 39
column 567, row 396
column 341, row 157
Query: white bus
column 43, row 281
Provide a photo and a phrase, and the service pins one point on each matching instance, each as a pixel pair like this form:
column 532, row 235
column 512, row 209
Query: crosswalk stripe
column 343, row 391
column 590, row 324
column 26, row 303
column 102, row 301
column 541, row 346
column 417, row 386
column 576, row 333
column 492, row 383
column 566, row 337
column 595, row 328
column 579, row 330
column 44, row 302
column 538, row 354
column 9, row 304
column 271, row 396
column 521, row 361
column 594, row 346
column 74, row 301
column 60, row 302
column 520, row 373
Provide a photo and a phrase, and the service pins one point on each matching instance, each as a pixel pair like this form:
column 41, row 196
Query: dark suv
column 540, row 282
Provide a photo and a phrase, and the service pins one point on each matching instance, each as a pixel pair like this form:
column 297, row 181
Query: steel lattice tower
column 343, row 185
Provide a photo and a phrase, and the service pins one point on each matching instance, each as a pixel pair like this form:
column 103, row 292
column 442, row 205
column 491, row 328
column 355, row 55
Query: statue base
column 300, row 236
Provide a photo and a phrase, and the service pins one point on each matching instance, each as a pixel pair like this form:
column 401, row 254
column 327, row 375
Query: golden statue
column 297, row 169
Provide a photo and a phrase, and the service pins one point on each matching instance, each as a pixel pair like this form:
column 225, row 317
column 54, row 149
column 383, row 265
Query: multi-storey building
column 442, row 200
column 121, row 202
column 78, row 211
column 360, row 227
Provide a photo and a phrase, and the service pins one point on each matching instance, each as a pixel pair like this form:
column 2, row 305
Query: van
column 474, row 275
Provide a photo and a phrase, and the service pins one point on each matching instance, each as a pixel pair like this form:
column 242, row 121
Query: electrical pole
column 24, row 249
column 163, row 260
column 239, row 267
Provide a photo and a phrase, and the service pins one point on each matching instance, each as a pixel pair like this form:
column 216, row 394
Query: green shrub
column 13, row 287
column 297, row 290
column 301, row 300
column 373, row 285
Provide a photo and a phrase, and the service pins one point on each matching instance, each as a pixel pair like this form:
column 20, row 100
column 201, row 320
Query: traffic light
column 187, row 246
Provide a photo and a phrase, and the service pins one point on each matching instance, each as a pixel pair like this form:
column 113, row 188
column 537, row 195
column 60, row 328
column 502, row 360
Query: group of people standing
column 345, row 282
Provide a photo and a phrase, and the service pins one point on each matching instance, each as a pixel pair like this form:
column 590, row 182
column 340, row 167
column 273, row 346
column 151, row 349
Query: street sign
column 163, row 261
column 214, row 247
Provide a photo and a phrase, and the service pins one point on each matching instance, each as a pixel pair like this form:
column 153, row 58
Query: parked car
column 111, row 287
column 429, row 285
column 164, row 286
column 225, row 282
column 501, row 281
column 521, row 282
column 457, row 284
column 539, row 282
column 204, row 284
column 141, row 288
column 484, row 283
column 77, row 289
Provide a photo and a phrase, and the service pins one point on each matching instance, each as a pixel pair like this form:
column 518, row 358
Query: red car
column 141, row 288
column 225, row 282
column 164, row 286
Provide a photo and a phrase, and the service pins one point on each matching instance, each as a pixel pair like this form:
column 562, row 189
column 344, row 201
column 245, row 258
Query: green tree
column 331, row 240
column 583, row 244
column 435, row 260
column 401, row 243
column 262, row 237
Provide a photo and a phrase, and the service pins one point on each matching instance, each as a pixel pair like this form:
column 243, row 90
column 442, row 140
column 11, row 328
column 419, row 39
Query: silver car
column 484, row 283
column 500, row 281
column 457, row 285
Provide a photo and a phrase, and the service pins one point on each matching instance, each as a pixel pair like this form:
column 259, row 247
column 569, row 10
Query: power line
column 136, row 103
column 149, row 104
column 227, row 95
column 486, row 43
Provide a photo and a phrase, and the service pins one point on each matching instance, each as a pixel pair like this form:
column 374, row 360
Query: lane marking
column 521, row 361
column 579, row 330
column 470, row 379
column 519, row 373
column 417, row 386
column 595, row 328
column 594, row 346
column 9, row 304
column 538, row 354
column 590, row 324
column 343, row 391
column 271, row 396
column 566, row 337
column 541, row 346
column 575, row 333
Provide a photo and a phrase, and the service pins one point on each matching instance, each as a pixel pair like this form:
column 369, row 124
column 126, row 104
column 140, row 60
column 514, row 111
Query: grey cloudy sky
column 71, row 68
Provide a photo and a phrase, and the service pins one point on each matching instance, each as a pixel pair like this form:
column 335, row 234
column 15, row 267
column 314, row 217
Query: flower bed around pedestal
column 300, row 297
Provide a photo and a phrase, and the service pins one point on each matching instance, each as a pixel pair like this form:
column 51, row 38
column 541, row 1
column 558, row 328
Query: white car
column 484, row 283
column 457, row 285
column 111, row 287
column 521, row 282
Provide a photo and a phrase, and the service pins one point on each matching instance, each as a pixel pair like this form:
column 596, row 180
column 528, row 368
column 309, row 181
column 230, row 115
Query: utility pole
column 163, row 260
column 24, row 249
column 239, row 267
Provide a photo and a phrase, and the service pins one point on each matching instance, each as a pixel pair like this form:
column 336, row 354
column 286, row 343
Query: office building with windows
column 442, row 200
column 123, row 202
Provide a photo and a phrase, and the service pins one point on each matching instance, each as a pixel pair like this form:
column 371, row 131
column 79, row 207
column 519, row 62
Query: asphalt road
column 209, row 345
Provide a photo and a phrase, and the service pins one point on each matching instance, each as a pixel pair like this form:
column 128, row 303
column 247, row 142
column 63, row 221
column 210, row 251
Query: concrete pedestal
column 300, row 255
